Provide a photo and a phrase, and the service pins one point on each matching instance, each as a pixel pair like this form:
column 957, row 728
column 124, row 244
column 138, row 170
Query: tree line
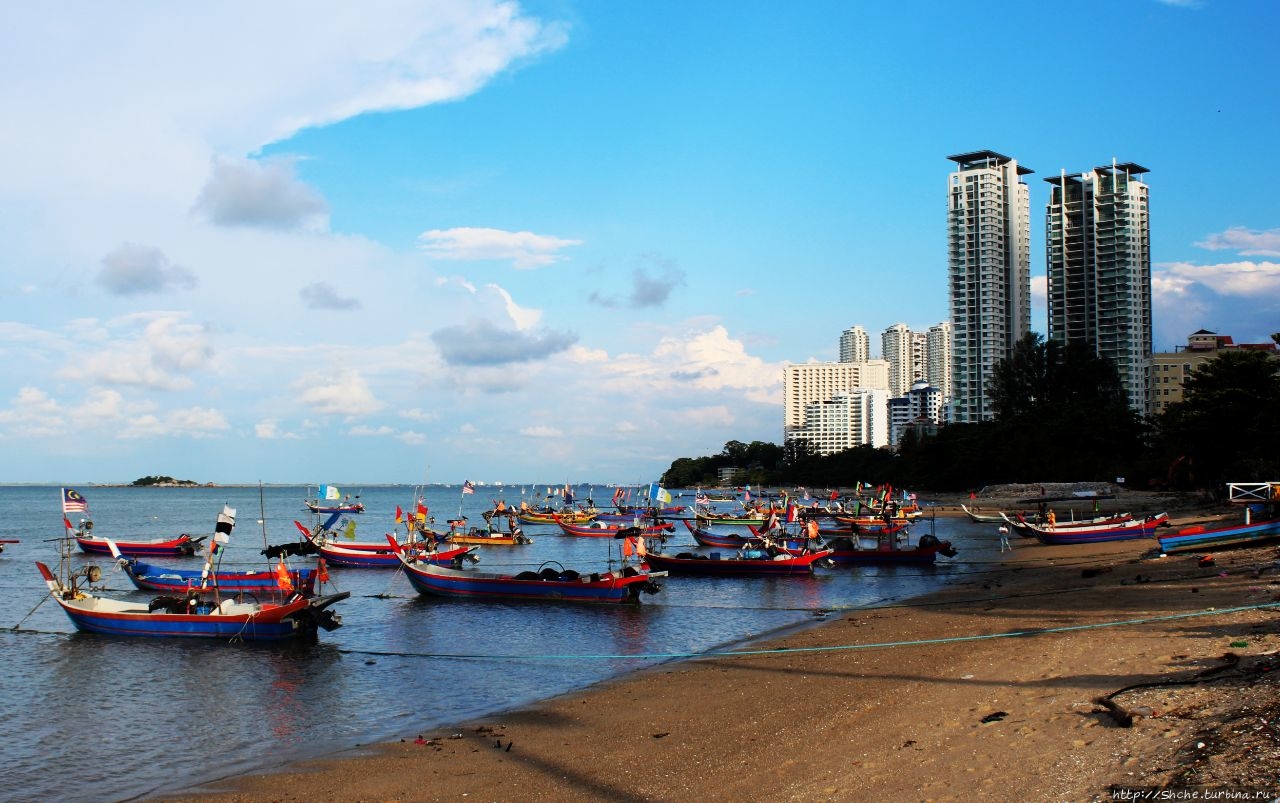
column 1060, row 415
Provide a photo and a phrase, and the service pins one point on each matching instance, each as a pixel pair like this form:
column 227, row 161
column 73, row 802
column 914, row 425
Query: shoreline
column 969, row 689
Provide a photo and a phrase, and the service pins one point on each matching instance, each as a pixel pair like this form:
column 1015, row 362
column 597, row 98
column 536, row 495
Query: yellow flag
column 350, row 531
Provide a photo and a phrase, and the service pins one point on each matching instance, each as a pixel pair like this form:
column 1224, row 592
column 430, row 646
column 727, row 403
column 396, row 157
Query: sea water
column 114, row 718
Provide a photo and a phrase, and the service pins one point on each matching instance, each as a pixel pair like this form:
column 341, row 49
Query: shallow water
column 106, row 718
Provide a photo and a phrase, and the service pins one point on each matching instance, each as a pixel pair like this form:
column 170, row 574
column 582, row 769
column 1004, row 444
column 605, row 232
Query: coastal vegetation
column 1060, row 416
column 162, row 481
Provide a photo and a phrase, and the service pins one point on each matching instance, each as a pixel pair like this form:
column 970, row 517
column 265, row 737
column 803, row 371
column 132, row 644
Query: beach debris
column 1239, row 644
column 1205, row 561
column 419, row 740
column 994, row 717
column 509, row 746
column 497, row 743
column 660, row 735
column 1094, row 572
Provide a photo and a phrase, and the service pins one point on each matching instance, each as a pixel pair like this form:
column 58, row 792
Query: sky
column 556, row 241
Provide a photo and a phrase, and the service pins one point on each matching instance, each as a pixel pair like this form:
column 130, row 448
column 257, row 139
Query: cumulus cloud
column 32, row 413
column 191, row 422
column 323, row 296
column 267, row 194
column 1228, row 278
column 1187, row 297
column 268, row 429
column 1245, row 241
column 523, row 249
column 344, row 392
column 482, row 343
column 135, row 269
column 160, row 357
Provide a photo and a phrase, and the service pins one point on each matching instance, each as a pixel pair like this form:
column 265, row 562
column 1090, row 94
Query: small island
column 163, row 482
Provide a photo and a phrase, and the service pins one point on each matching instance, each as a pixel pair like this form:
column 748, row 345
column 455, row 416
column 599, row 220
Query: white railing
column 1245, row 492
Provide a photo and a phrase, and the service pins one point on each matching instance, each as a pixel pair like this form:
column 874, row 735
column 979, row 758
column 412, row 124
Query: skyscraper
column 989, row 268
column 938, row 345
column 895, row 346
column 854, row 345
column 1098, row 244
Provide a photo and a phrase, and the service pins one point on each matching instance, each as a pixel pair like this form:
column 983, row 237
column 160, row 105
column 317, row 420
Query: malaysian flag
column 701, row 499
column 468, row 487
column 73, row 502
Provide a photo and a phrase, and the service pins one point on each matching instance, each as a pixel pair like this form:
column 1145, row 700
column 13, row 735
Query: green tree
column 1225, row 428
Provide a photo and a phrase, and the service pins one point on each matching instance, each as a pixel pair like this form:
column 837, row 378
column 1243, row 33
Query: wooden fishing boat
column 363, row 558
column 548, row 516
column 731, row 519
column 1117, row 531
column 751, row 561
column 157, row 547
column 149, row 577
column 625, row 514
column 983, row 518
column 349, row 507
column 191, row 614
column 598, row 529
column 887, row 548
column 705, row 537
column 1199, row 538
column 550, row 583
column 331, row 500
column 480, row 537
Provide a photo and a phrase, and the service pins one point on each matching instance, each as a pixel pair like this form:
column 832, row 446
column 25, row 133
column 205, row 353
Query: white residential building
column 854, row 345
column 805, row 383
column 897, row 349
column 989, row 270
column 921, row 406
column 938, row 346
column 846, row 421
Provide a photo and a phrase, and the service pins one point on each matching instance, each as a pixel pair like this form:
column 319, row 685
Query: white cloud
column 268, row 429
column 522, row 317
column 1229, row 278
column 191, row 422
column 344, row 392
column 1245, row 241
column 32, row 413
column 418, row 414
column 541, row 431
column 159, row 357
column 523, row 249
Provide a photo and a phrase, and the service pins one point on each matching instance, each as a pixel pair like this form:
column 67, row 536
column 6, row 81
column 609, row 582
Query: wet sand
column 987, row 689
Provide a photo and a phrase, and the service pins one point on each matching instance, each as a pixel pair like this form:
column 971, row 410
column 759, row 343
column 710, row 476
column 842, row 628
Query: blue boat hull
column 1239, row 535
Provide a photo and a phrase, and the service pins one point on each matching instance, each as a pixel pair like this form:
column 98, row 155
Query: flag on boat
column 422, row 511
column 701, row 499
column 792, row 515
column 330, row 492
column 468, row 487
column 67, row 523
column 73, row 502
column 350, row 531
column 399, row 515
column 568, row 495
column 282, row 576
column 659, row 494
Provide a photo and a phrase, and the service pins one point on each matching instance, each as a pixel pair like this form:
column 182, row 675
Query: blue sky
column 555, row 241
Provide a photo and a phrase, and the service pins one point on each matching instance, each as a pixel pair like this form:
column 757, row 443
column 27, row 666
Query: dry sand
column 929, row 701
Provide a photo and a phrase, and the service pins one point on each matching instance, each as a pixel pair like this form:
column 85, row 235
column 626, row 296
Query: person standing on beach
column 1004, row 539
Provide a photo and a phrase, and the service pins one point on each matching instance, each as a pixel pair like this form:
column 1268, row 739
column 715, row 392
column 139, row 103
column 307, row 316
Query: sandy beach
column 991, row 689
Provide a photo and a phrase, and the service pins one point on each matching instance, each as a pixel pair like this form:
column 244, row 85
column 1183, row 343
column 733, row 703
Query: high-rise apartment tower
column 1098, row 243
column 989, row 269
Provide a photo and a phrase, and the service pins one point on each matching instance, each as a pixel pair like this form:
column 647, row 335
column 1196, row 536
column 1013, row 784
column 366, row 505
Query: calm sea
column 103, row 718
